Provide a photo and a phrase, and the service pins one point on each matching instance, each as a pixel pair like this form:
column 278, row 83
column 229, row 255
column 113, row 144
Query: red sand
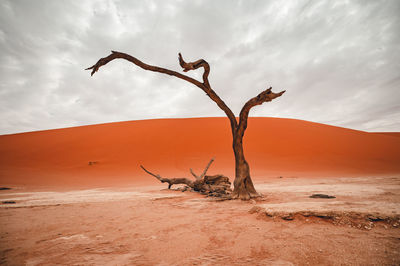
column 393, row 134
column 273, row 147
column 131, row 224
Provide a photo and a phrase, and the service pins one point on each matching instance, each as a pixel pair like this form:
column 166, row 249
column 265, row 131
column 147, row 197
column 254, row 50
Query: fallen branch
column 215, row 185
column 170, row 181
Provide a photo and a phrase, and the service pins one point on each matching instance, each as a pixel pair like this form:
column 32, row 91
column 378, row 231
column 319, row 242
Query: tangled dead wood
column 212, row 185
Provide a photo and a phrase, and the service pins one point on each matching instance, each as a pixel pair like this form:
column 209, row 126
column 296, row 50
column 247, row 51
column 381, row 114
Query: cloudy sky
column 338, row 60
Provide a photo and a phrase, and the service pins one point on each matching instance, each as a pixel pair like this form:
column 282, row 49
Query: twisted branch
column 115, row 55
column 205, row 86
column 195, row 65
column 265, row 96
column 170, row 181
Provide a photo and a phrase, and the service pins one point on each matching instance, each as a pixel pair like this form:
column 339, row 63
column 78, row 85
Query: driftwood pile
column 211, row 185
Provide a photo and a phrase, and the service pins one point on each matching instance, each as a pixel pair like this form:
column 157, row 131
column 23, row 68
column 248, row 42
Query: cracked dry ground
column 152, row 226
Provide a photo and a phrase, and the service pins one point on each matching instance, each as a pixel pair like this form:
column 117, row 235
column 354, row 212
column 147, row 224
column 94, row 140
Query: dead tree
column 214, row 185
column 243, row 185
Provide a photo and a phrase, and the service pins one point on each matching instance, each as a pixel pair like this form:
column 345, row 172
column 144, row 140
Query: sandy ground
column 79, row 197
column 154, row 226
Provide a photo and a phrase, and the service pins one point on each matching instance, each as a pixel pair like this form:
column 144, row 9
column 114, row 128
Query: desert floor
column 150, row 225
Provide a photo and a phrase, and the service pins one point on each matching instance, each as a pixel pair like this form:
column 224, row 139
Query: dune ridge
column 110, row 154
column 393, row 134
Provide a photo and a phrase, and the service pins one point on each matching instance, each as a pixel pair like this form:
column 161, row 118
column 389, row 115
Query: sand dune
column 393, row 134
column 62, row 209
column 110, row 153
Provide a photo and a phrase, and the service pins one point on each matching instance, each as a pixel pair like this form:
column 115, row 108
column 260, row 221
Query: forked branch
column 115, row 55
column 205, row 85
column 204, row 172
column 265, row 96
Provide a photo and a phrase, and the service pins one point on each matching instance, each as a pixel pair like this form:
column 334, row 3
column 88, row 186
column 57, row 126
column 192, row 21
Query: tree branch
column 205, row 86
column 204, row 172
column 195, row 65
column 155, row 175
column 193, row 174
column 114, row 55
column 170, row 181
column 206, row 169
column 265, row 96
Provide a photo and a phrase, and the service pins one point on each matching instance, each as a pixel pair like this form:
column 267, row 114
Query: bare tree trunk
column 243, row 185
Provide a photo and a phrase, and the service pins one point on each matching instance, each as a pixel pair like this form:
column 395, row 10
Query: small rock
column 9, row 202
column 288, row 217
column 256, row 209
column 5, row 188
column 375, row 218
column 324, row 216
column 367, row 227
column 269, row 214
column 322, row 196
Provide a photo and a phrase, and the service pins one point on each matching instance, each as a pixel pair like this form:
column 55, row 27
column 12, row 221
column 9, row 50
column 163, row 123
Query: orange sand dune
column 393, row 134
column 273, row 146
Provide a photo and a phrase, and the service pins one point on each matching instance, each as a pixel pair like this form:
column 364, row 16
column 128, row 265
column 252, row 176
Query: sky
column 339, row 61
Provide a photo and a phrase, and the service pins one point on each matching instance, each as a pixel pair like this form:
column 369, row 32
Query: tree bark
column 243, row 185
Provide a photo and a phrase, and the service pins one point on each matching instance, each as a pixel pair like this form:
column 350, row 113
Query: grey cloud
column 338, row 60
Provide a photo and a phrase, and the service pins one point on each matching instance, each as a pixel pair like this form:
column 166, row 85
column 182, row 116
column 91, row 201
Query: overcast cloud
column 338, row 60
